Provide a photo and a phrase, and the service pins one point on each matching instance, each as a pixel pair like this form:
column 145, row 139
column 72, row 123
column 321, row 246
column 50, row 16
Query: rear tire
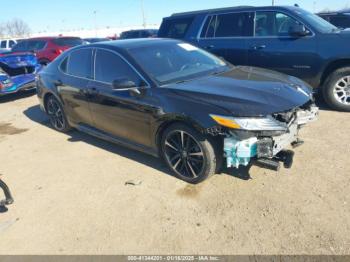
column 44, row 62
column 56, row 114
column 336, row 89
column 191, row 156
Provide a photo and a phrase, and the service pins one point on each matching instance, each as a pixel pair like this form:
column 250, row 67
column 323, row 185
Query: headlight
column 250, row 123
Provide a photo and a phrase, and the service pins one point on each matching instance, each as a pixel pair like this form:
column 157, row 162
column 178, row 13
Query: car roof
column 132, row 43
column 49, row 37
column 136, row 30
column 347, row 12
column 235, row 8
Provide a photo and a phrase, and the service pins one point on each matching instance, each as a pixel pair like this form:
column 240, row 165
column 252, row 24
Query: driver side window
column 109, row 67
column 269, row 23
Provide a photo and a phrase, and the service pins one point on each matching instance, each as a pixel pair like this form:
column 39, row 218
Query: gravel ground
column 71, row 196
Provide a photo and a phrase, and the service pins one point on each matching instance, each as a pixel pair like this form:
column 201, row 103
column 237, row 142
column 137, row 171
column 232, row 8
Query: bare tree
column 17, row 28
column 2, row 31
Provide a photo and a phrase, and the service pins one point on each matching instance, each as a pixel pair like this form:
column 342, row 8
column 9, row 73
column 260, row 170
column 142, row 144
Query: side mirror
column 123, row 84
column 298, row 30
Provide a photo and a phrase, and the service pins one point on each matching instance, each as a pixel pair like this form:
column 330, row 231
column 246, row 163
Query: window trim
column 253, row 36
column 94, row 51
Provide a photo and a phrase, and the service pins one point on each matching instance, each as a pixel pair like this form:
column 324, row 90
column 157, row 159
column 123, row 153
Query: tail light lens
column 57, row 51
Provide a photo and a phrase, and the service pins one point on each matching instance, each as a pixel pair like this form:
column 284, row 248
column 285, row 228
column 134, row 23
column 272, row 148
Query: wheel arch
column 46, row 96
column 43, row 60
column 333, row 66
column 168, row 121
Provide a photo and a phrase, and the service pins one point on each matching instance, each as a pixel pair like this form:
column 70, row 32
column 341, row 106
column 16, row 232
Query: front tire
column 191, row 156
column 56, row 114
column 336, row 90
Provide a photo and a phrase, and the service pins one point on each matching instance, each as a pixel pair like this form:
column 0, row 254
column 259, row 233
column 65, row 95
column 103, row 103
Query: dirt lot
column 71, row 198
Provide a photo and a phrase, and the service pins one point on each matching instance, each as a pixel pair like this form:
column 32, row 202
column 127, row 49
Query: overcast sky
column 44, row 15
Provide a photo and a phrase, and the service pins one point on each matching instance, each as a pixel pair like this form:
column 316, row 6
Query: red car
column 47, row 48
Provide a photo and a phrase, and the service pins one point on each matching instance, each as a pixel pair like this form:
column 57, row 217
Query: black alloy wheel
column 190, row 155
column 57, row 117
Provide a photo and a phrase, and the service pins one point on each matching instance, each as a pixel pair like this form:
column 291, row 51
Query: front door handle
column 258, row 47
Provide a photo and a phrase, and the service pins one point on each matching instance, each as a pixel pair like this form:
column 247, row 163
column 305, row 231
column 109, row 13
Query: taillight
column 57, row 51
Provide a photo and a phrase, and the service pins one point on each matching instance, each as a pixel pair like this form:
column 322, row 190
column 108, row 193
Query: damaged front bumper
column 17, row 83
column 267, row 148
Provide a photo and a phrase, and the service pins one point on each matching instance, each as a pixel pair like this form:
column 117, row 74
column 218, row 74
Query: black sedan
column 171, row 99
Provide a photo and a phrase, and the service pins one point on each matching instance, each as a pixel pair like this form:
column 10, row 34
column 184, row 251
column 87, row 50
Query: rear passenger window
column 235, row 24
column 64, row 64
column 109, row 67
column 35, row 45
column 175, row 28
column 3, row 44
column 80, row 63
column 21, row 46
column 229, row 25
column 209, row 27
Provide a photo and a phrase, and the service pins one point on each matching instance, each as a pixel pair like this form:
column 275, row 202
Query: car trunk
column 17, row 64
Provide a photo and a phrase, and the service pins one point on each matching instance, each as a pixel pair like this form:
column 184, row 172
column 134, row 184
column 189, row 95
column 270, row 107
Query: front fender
column 177, row 108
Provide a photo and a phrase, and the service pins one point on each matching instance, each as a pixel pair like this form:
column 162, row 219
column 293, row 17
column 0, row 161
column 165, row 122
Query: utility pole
column 95, row 22
column 143, row 14
column 273, row 2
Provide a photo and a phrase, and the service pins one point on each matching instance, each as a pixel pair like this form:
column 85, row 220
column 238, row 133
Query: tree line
column 15, row 28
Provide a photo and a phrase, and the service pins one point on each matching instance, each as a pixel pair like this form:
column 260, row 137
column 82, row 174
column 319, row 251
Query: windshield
column 317, row 22
column 176, row 61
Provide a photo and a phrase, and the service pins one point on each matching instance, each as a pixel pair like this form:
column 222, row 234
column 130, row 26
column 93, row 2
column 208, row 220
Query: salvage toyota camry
column 170, row 99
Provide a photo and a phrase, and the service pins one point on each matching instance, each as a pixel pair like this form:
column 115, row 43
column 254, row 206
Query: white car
column 6, row 44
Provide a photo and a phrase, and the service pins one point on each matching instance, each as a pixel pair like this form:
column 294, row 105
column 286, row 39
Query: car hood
column 247, row 91
column 344, row 33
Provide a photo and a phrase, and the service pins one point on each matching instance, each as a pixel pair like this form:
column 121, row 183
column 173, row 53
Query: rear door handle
column 258, row 47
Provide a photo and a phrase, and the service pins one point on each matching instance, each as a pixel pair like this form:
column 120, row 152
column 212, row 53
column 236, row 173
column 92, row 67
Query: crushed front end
column 17, row 72
column 264, row 140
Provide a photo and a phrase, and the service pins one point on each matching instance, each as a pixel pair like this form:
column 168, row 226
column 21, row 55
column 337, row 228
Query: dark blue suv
column 286, row 39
